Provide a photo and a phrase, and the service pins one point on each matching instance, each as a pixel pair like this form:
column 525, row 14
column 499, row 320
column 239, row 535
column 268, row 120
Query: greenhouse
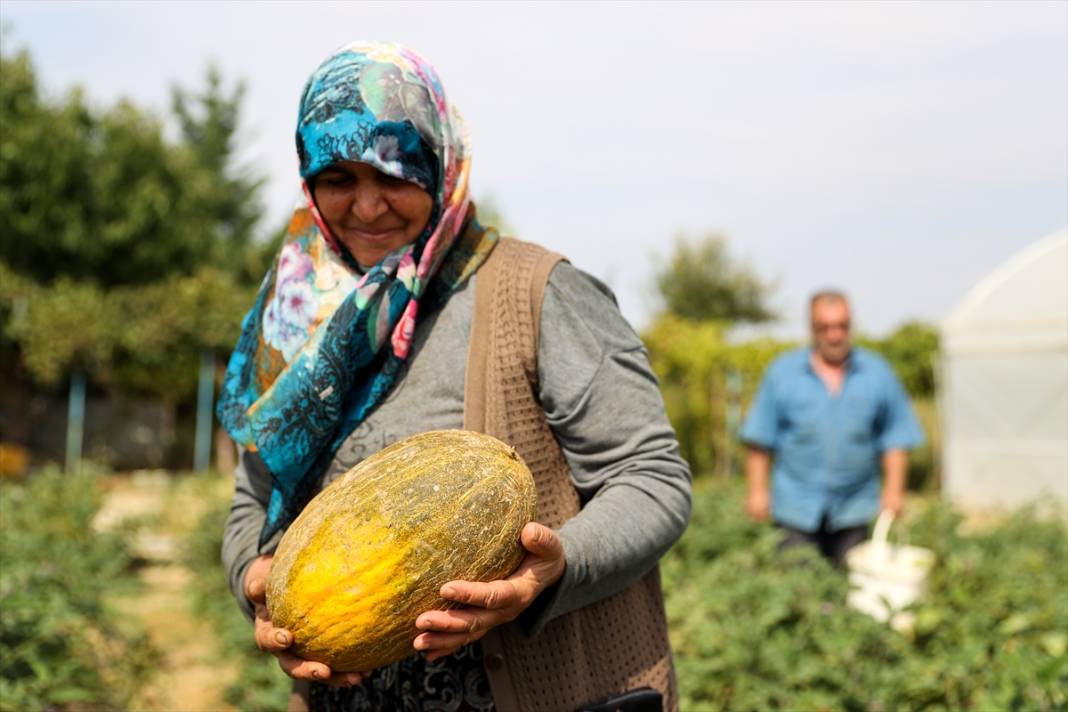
column 1004, row 395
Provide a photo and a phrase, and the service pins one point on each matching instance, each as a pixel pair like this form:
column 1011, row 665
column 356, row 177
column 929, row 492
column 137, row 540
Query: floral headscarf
column 323, row 344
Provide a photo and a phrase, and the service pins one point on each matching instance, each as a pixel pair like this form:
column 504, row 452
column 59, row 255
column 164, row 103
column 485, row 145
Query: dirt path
column 192, row 677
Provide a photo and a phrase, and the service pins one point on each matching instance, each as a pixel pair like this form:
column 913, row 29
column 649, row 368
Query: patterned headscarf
column 323, row 344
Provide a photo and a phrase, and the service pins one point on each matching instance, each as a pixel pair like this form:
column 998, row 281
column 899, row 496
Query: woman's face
column 371, row 213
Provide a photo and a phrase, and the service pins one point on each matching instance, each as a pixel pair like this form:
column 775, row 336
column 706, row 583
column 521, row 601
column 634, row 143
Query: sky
column 899, row 151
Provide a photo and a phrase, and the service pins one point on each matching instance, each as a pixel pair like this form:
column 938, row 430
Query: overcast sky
column 899, row 151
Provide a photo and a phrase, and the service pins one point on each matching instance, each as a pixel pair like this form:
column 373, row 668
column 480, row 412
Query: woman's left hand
column 491, row 604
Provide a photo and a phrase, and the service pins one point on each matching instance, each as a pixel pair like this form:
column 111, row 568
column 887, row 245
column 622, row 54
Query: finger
column 467, row 620
column 541, row 541
column 271, row 639
column 256, row 590
column 449, row 642
column 495, row 594
column 302, row 669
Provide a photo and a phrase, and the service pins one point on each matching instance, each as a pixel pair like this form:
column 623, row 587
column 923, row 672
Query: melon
column 371, row 551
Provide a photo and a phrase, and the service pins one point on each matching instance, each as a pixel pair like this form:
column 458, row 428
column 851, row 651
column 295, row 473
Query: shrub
column 754, row 628
column 62, row 644
column 260, row 684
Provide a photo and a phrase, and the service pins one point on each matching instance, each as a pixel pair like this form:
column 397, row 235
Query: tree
column 97, row 196
column 701, row 281
column 911, row 349
column 209, row 122
column 122, row 254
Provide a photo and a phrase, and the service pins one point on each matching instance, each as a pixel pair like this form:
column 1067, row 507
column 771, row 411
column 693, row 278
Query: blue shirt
column 827, row 448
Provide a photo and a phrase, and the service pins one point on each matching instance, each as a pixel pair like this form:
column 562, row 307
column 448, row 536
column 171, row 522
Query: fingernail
column 448, row 591
column 317, row 674
column 282, row 638
column 419, row 643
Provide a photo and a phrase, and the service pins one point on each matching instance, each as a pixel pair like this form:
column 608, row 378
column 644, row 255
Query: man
column 828, row 416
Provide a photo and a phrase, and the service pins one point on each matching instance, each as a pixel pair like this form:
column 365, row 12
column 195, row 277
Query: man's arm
column 758, row 497
column 760, row 433
column 895, row 475
column 900, row 432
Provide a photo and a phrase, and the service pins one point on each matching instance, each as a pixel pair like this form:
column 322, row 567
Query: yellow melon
column 371, row 551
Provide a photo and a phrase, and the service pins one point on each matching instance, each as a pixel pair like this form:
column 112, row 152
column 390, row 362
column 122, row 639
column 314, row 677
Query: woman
column 392, row 311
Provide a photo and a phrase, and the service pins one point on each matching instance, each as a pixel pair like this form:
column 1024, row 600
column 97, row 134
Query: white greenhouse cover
column 1004, row 395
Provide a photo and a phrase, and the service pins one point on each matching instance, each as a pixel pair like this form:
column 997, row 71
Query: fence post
column 734, row 415
column 205, row 398
column 75, row 422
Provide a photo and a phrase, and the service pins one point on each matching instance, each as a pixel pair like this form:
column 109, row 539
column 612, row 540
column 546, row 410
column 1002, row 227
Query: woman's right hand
column 276, row 641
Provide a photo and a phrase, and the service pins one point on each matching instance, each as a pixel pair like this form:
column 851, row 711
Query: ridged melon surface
column 371, row 551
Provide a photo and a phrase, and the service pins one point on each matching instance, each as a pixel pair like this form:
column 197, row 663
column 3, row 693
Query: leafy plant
column 260, row 684
column 62, row 645
column 707, row 384
column 754, row 628
column 126, row 254
column 911, row 349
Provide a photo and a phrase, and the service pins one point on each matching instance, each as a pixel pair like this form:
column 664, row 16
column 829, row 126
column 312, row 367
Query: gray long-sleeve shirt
column 603, row 404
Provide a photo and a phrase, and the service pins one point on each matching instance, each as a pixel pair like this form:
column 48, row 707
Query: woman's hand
column 491, row 604
column 276, row 641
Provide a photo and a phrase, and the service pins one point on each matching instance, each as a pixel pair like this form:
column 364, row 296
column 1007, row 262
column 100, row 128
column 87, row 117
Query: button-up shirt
column 827, row 446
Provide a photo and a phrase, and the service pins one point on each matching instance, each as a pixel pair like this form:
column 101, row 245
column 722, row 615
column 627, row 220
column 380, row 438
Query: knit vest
column 604, row 649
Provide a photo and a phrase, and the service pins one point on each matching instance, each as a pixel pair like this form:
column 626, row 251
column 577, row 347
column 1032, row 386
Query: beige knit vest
column 611, row 646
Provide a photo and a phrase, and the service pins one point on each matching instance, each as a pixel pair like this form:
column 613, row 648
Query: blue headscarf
column 323, row 344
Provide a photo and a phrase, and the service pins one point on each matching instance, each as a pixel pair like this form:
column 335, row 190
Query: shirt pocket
column 860, row 415
column 802, row 446
column 803, row 453
column 856, row 456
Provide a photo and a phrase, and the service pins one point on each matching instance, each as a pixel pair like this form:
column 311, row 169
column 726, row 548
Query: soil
column 191, row 676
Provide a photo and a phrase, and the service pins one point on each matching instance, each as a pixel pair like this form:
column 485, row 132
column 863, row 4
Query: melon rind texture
column 371, row 551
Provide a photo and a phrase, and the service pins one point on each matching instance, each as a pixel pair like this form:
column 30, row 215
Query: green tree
column 97, row 196
column 707, row 383
column 123, row 254
column 209, row 121
column 911, row 349
column 702, row 281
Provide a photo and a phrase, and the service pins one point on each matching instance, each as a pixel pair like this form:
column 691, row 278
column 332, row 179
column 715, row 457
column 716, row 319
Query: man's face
column 830, row 330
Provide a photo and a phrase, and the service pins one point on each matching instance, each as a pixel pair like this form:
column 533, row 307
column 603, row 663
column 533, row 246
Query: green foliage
column 144, row 339
column 754, row 628
column 707, row 385
column 124, row 255
column 709, row 382
column 93, row 195
column 209, row 123
column 260, row 684
column 701, row 281
column 62, row 645
column 911, row 349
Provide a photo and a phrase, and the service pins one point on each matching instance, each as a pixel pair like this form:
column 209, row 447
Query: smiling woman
column 391, row 311
column 371, row 213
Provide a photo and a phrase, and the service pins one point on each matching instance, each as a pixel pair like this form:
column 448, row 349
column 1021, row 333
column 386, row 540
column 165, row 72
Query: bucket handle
column 881, row 531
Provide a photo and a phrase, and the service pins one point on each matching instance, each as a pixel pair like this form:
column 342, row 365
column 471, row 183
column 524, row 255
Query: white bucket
column 887, row 577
